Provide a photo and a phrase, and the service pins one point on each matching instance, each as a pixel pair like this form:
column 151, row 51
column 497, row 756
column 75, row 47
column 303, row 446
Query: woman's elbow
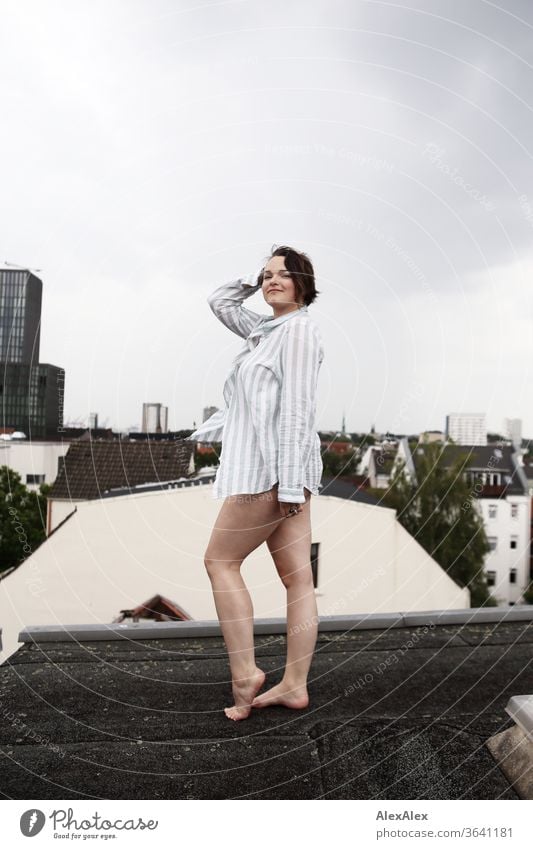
column 213, row 302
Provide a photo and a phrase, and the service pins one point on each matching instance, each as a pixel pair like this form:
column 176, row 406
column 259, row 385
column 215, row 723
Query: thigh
column 290, row 543
column 244, row 523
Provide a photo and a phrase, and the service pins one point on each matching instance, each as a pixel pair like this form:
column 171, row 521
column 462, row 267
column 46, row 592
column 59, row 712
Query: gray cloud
column 152, row 151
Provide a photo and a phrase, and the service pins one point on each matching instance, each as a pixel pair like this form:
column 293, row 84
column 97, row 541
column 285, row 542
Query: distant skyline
column 134, row 428
column 155, row 150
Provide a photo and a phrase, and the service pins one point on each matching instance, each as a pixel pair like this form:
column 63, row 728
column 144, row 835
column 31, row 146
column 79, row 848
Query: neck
column 279, row 310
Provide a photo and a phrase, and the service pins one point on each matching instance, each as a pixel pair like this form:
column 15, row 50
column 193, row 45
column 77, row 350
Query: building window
column 514, row 511
column 493, row 511
column 34, row 479
column 493, row 541
column 491, row 578
column 314, row 562
column 512, row 576
column 514, row 542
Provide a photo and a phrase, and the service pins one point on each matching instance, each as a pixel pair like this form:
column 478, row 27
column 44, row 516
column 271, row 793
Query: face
column 278, row 286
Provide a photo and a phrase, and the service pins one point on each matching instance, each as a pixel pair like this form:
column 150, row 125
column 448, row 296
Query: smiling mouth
column 274, row 290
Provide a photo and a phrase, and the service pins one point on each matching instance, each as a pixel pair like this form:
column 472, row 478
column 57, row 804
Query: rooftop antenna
column 22, row 267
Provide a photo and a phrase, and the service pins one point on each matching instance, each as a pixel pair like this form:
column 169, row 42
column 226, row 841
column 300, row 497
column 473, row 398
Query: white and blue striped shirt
column 267, row 427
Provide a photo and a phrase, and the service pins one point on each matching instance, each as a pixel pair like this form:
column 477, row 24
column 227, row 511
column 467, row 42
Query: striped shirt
column 267, row 426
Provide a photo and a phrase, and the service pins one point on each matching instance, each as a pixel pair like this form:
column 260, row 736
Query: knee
column 298, row 576
column 215, row 566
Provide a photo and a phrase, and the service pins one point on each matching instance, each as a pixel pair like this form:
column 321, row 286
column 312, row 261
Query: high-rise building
column 512, row 429
column 466, row 428
column 155, row 418
column 208, row 412
column 20, row 316
column 31, row 393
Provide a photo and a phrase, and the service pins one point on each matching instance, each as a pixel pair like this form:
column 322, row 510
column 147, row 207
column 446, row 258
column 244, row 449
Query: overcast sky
column 152, row 150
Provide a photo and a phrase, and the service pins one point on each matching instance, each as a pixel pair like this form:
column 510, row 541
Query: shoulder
column 301, row 324
column 303, row 328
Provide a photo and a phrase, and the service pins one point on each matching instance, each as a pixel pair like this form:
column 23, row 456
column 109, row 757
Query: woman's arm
column 301, row 357
column 226, row 303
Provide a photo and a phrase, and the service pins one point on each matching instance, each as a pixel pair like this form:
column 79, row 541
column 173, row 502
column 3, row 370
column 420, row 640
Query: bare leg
column 290, row 546
column 244, row 523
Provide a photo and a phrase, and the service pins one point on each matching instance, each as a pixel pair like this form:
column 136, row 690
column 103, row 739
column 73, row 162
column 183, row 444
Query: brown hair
column 301, row 269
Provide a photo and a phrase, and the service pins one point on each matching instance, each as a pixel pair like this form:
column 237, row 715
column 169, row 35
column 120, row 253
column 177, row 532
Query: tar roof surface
column 397, row 713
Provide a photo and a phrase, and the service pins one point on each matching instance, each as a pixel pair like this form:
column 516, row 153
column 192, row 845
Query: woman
column 270, row 465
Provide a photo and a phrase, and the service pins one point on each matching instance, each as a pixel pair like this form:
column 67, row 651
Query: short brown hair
column 301, row 269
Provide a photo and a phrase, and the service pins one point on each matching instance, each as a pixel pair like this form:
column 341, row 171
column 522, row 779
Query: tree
column 202, row 460
column 528, row 594
column 337, row 465
column 439, row 511
column 22, row 518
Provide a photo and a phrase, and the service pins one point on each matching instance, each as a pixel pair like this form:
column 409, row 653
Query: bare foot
column 243, row 693
column 283, row 694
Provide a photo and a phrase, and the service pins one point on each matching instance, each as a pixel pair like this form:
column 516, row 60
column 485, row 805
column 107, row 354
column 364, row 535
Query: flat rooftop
column 401, row 707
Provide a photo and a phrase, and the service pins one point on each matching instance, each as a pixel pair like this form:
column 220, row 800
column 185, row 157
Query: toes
column 236, row 712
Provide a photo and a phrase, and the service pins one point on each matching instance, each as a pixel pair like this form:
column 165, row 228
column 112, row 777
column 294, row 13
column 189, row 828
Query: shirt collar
column 268, row 322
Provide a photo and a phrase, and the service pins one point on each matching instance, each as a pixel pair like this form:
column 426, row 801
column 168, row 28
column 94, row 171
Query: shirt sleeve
column 226, row 303
column 300, row 364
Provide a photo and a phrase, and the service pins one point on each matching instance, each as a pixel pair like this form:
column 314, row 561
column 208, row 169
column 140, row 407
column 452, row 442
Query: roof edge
column 211, row 627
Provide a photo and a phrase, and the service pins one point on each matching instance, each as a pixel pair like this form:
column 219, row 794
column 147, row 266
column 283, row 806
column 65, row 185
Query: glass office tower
column 31, row 393
column 20, row 316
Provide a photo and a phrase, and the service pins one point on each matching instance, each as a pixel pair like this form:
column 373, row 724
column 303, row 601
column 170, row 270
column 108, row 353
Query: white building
column 432, row 436
column 507, row 525
column 512, row 430
column 379, row 462
column 116, row 553
column 208, row 412
column 35, row 461
column 154, row 418
column 466, row 428
column 504, row 502
column 500, row 494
